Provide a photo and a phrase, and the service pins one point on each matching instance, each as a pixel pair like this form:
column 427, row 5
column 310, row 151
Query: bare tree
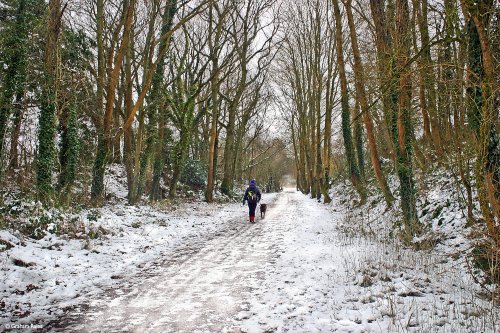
column 363, row 102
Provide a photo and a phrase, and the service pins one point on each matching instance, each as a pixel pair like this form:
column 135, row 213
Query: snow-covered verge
column 438, row 271
column 441, row 211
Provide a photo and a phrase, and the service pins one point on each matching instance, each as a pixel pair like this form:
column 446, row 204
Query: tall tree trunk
column 422, row 100
column 298, row 163
column 105, row 139
column 361, row 96
column 13, row 86
column 306, row 180
column 99, row 163
column 179, row 155
column 16, row 131
column 358, row 141
column 428, row 78
column 143, row 143
column 327, row 135
column 311, row 124
column 130, row 140
column 318, row 163
column 212, row 145
column 48, row 108
column 158, row 121
column 298, row 85
column 461, row 133
column 117, row 145
column 483, row 116
column 309, row 149
column 449, row 68
column 383, row 43
column 227, row 179
column 352, row 166
column 317, row 99
column 69, row 148
column 488, row 139
column 214, row 32
column 209, row 192
column 404, row 127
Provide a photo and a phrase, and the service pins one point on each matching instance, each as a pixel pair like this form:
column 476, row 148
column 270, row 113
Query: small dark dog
column 263, row 208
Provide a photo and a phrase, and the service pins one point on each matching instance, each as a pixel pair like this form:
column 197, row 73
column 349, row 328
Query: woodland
column 203, row 95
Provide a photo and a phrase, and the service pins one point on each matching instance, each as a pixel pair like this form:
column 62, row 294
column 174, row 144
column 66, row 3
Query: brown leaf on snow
column 22, row 263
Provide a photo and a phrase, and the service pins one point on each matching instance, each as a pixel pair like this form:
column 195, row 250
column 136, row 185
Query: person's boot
column 252, row 219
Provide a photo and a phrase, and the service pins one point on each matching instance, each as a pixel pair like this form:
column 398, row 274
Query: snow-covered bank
column 329, row 278
column 41, row 278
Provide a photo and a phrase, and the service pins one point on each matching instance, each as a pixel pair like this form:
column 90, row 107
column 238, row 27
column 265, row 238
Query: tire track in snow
column 200, row 287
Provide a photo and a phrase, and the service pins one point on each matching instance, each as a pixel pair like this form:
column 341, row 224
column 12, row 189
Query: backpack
column 252, row 197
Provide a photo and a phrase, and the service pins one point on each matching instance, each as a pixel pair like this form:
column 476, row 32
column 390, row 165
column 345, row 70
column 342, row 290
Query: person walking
column 252, row 196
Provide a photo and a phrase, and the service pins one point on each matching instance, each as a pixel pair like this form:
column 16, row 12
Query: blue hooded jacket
column 252, row 188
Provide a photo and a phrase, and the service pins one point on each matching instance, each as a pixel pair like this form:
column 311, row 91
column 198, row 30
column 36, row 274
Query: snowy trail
column 201, row 286
column 300, row 269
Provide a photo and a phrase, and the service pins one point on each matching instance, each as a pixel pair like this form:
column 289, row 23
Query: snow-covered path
column 209, row 284
column 294, row 271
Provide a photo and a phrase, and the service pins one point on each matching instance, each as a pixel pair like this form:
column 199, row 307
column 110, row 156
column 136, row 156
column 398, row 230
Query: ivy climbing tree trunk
column 18, row 113
column 15, row 77
column 179, row 156
column 159, row 139
column 405, row 132
column 352, row 166
column 482, row 114
column 358, row 141
column 69, row 148
column 48, row 107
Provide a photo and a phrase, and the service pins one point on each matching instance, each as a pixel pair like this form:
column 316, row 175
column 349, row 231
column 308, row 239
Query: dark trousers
column 251, row 208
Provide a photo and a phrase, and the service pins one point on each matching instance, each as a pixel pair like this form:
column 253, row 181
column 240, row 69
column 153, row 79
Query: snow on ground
column 327, row 279
column 440, row 208
column 40, row 278
column 307, row 267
